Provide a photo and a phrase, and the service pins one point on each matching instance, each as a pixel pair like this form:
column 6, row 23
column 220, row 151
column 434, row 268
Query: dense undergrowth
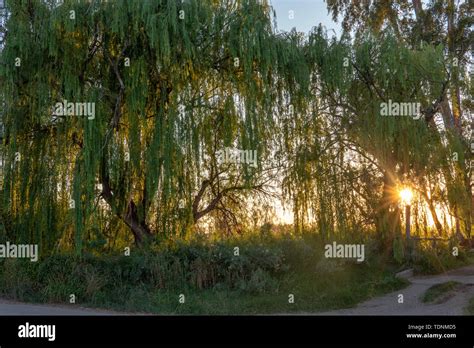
column 241, row 275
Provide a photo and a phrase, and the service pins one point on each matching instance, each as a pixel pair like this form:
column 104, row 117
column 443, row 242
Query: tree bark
column 131, row 218
column 138, row 226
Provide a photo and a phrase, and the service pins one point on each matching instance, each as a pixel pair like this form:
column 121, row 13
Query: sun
column 406, row 195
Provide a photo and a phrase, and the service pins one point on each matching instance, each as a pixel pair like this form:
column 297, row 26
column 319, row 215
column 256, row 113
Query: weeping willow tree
column 167, row 85
column 446, row 24
column 346, row 175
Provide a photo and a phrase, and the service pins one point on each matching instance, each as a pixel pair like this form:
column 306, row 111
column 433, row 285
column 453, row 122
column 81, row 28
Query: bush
column 16, row 281
column 431, row 260
column 194, row 265
column 259, row 282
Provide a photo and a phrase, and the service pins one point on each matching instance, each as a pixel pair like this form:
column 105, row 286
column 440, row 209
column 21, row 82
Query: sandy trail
column 19, row 308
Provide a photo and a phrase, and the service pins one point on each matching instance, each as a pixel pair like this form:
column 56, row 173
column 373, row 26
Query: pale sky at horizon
column 307, row 14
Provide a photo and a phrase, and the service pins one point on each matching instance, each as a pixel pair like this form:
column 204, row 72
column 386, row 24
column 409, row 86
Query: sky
column 306, row 13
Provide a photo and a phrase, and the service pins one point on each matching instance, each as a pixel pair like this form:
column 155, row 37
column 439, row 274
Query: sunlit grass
column 439, row 291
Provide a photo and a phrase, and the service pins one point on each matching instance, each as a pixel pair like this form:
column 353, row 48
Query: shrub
column 429, row 259
column 195, row 265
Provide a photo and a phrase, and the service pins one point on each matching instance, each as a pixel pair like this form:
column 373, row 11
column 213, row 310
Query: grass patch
column 469, row 310
column 438, row 292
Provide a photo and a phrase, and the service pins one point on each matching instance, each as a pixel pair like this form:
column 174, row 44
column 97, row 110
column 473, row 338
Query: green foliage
column 16, row 279
column 138, row 146
column 195, row 266
column 398, row 250
column 219, row 77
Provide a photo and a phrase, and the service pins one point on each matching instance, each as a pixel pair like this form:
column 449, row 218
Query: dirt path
column 19, row 308
column 412, row 305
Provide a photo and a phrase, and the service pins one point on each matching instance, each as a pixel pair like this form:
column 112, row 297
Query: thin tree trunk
column 439, row 227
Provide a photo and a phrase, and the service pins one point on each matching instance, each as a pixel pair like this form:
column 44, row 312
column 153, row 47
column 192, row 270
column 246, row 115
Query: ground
column 19, row 308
